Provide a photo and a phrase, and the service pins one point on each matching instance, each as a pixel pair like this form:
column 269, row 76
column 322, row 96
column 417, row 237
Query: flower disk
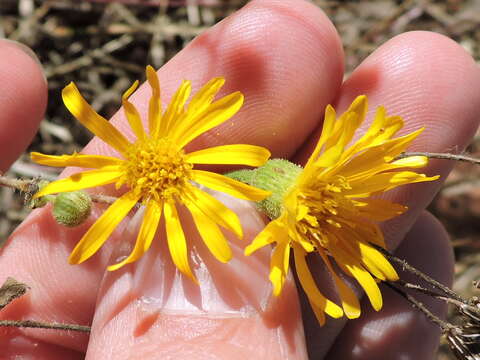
column 158, row 172
column 329, row 209
column 156, row 169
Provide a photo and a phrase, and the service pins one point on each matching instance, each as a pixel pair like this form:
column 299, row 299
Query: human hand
column 286, row 58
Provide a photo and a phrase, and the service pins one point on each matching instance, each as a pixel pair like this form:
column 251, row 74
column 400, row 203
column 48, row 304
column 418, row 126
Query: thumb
column 148, row 310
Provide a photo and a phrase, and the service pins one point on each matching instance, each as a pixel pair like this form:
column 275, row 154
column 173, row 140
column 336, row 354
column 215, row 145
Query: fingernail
column 25, row 49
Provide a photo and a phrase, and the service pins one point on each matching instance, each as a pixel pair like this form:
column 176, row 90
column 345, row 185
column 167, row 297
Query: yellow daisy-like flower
column 329, row 210
column 158, row 172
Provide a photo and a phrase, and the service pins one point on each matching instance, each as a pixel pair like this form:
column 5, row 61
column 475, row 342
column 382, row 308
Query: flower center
column 156, row 168
column 319, row 207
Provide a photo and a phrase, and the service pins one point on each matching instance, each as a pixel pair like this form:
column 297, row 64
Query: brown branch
column 30, row 187
column 444, row 326
column 13, row 289
column 44, row 325
column 407, row 267
column 22, row 185
column 442, row 156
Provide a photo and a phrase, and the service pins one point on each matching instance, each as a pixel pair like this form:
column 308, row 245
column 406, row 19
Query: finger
column 394, row 332
column 23, row 101
column 416, row 75
column 236, row 49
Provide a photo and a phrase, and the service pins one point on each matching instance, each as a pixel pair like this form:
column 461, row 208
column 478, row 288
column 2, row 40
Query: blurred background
column 105, row 46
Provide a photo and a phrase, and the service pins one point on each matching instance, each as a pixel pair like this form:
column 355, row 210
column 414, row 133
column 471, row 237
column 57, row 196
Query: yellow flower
column 329, row 210
column 158, row 172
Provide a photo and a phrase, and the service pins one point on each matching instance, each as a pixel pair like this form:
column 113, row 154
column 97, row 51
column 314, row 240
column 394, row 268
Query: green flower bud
column 277, row 176
column 72, row 208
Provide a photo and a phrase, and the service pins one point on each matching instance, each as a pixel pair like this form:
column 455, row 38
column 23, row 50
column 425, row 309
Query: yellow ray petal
column 367, row 231
column 175, row 112
column 384, row 182
column 82, row 180
column 145, row 236
column 360, row 274
column 97, row 124
column 359, row 106
column 379, row 122
column 102, row 229
column 154, row 105
column 279, row 266
column 319, row 313
column 373, row 158
column 229, row 186
column 411, row 162
column 310, row 287
column 352, row 122
column 382, row 129
column 176, row 240
column 217, row 113
column 336, row 144
column 350, row 303
column 373, row 256
column 365, row 171
column 214, row 209
column 379, row 209
column 86, row 161
column 131, row 112
column 304, row 242
column 204, row 97
column 273, row 232
column 369, row 285
column 360, row 248
column 211, row 234
column 393, row 124
column 390, row 149
column 328, row 125
column 348, row 123
column 351, row 246
column 237, row 154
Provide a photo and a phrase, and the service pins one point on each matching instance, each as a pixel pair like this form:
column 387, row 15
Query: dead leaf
column 10, row 290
